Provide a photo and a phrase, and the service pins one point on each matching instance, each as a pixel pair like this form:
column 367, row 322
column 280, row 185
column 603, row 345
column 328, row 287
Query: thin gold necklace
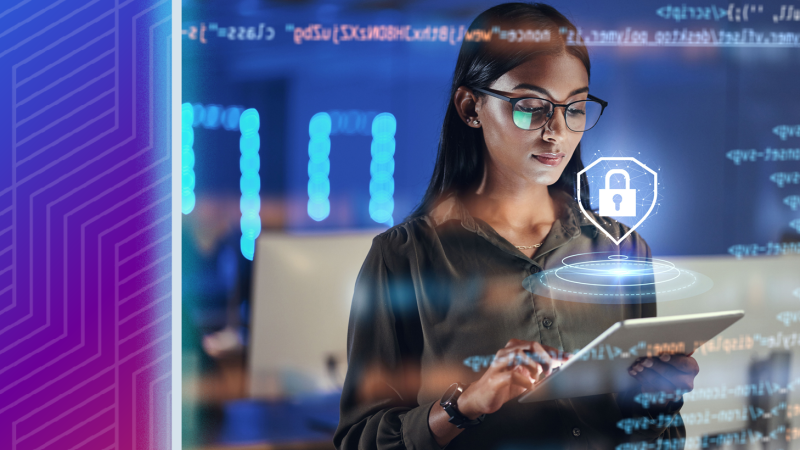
column 526, row 247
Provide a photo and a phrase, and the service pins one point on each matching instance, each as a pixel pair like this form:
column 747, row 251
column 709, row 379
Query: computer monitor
column 302, row 290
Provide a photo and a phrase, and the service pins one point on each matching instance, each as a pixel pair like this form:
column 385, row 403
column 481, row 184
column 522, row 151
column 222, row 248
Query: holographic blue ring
column 694, row 280
column 645, row 271
column 555, row 272
column 576, row 266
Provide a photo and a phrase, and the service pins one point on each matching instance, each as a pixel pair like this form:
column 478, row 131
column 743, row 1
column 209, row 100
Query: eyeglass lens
column 531, row 113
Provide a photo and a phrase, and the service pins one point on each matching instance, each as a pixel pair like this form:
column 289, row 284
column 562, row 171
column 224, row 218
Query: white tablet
column 602, row 366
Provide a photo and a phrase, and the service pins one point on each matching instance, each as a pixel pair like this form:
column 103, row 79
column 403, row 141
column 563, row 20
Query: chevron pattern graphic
column 85, row 224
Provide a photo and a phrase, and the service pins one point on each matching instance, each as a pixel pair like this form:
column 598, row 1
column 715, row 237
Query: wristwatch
column 449, row 403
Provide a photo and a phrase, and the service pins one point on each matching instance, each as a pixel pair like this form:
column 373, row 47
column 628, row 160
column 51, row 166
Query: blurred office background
column 264, row 319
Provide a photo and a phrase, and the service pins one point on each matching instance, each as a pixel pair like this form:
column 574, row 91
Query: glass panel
column 530, row 113
column 582, row 116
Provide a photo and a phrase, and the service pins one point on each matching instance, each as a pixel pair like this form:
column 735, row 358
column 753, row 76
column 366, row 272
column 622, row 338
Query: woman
column 447, row 284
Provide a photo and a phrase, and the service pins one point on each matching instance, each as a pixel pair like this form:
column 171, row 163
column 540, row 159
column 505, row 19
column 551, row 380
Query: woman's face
column 537, row 156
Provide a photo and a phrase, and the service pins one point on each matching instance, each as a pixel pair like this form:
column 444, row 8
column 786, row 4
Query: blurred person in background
column 216, row 282
column 215, row 292
column 447, row 284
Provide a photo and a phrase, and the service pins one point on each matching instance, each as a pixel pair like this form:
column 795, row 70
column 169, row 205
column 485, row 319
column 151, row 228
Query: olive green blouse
column 439, row 289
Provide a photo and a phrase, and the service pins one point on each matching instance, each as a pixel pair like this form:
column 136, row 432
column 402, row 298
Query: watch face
column 448, row 395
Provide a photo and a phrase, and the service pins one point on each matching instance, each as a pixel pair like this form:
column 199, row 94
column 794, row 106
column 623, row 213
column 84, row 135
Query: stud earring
column 477, row 122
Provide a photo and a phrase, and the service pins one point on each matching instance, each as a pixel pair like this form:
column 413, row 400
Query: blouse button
column 576, row 432
column 547, row 323
column 533, row 269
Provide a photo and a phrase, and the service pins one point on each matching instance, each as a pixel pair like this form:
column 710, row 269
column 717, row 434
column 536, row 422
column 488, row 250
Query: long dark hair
column 459, row 161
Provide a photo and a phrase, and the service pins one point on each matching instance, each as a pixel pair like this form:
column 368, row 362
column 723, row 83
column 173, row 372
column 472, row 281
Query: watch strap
column 460, row 420
column 450, row 406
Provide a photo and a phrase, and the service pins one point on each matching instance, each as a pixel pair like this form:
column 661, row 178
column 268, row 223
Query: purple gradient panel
column 85, row 224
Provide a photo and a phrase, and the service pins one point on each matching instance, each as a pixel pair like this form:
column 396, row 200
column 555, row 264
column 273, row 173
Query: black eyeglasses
column 532, row 113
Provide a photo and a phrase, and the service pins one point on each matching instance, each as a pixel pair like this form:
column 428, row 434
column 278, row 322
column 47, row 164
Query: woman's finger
column 537, row 358
column 518, row 358
column 549, row 349
column 518, row 378
column 543, row 357
column 505, row 357
column 552, row 352
column 533, row 367
column 555, row 354
column 682, row 380
column 683, row 363
column 501, row 361
column 517, row 343
column 524, row 345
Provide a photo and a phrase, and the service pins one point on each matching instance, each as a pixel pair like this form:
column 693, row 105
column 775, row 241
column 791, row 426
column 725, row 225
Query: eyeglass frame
column 515, row 100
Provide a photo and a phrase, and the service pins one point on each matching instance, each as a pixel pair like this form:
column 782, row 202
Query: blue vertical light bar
column 187, row 159
column 381, row 169
column 250, row 183
column 319, row 166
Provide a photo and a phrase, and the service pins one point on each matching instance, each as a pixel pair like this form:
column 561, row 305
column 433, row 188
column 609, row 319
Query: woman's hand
column 666, row 373
column 511, row 373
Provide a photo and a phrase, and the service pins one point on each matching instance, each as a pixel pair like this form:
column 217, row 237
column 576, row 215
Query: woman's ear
column 466, row 104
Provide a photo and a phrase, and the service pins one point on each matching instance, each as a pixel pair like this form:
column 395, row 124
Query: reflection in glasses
column 532, row 113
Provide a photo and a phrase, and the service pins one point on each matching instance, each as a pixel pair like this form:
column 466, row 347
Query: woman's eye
column 576, row 112
column 535, row 110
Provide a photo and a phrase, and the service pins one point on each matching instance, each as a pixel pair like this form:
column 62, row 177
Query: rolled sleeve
column 417, row 433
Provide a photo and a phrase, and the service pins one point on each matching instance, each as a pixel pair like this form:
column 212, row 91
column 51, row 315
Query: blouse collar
column 570, row 225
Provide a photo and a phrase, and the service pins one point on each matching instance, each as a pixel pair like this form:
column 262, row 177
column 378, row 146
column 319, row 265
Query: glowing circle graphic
column 605, row 278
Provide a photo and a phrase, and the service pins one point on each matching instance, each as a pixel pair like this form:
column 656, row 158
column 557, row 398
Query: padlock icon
column 618, row 202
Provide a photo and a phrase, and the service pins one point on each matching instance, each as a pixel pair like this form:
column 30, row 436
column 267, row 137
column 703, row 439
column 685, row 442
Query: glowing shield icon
column 627, row 179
